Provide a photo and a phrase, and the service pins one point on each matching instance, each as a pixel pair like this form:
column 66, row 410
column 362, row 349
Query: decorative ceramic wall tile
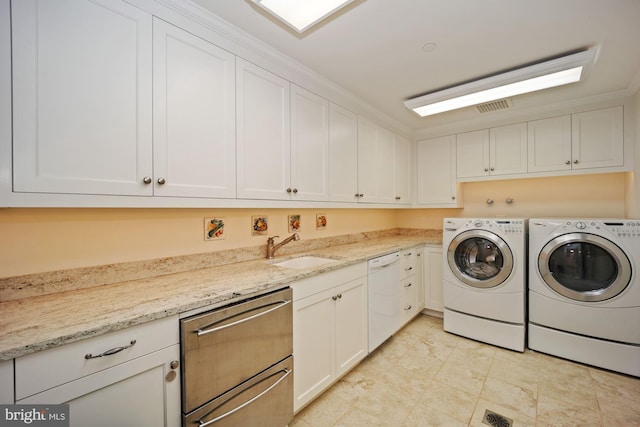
column 214, row 229
column 321, row 222
column 294, row 223
column 259, row 225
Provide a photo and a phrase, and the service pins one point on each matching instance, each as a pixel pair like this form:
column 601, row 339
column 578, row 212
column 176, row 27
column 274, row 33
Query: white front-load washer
column 484, row 279
column 584, row 291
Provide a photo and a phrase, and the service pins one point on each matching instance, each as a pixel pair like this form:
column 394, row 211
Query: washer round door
column 584, row 267
column 480, row 258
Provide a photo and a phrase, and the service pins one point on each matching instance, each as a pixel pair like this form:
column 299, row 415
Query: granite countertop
column 38, row 322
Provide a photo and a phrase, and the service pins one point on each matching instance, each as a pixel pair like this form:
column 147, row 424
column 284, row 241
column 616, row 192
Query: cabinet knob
column 289, row 190
column 492, row 169
column 161, row 181
column 174, row 364
column 453, row 197
column 398, row 197
column 335, row 297
column 171, row 375
column 489, row 201
column 568, row 162
column 147, row 180
column 575, row 162
column 295, row 190
column 486, row 169
column 361, row 195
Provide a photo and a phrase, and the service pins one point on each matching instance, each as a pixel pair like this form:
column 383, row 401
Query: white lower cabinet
column 129, row 377
column 432, row 264
column 329, row 329
column 6, row 382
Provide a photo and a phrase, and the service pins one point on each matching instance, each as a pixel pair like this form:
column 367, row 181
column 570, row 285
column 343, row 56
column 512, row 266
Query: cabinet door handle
column 568, row 162
column 408, row 286
column 398, row 197
column 486, row 169
column 289, row 190
column 110, row 351
column 335, row 297
column 492, row 169
column 575, row 161
column 295, row 190
column 408, row 308
column 408, row 269
column 147, row 180
column 161, row 181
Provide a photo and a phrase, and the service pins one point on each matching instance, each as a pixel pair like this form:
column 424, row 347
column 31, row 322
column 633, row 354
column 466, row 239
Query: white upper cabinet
column 309, row 145
column 403, row 171
column 597, row 139
column 472, row 154
column 436, row 170
column 82, row 114
column 549, row 144
column 263, row 133
column 383, row 161
column 508, row 149
column 490, row 152
column 194, row 115
column 343, row 154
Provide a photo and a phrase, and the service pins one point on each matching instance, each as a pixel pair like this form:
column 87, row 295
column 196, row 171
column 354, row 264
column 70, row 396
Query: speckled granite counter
column 42, row 320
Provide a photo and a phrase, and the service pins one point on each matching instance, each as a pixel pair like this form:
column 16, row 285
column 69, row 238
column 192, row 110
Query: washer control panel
column 621, row 228
column 506, row 225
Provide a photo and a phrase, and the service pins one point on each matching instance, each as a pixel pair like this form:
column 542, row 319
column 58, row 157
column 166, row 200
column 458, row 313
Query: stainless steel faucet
column 271, row 248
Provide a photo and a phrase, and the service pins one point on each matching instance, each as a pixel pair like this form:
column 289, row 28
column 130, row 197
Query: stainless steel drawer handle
column 248, row 402
column 110, row 352
column 204, row 331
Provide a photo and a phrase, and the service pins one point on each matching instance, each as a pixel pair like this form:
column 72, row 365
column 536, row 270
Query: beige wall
column 38, row 240
column 601, row 195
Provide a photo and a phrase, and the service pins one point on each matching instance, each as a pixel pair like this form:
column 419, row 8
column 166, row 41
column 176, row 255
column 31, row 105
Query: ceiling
column 374, row 48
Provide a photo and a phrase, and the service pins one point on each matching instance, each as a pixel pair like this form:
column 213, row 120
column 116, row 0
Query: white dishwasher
column 385, row 304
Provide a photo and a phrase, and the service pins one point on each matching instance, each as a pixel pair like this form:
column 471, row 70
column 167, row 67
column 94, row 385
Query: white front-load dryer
column 584, row 291
column 484, row 279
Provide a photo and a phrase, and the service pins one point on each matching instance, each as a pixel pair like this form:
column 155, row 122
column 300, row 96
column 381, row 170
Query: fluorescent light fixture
column 301, row 14
column 544, row 75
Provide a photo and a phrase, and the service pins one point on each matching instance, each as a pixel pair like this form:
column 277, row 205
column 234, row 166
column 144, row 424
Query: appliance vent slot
column 501, row 104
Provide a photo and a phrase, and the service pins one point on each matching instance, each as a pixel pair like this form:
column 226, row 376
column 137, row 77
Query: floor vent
column 496, row 420
column 488, row 107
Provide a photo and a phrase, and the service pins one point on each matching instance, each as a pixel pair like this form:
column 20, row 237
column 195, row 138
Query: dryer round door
column 480, row 258
column 584, row 267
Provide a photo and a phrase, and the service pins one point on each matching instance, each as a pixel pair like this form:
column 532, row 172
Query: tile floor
column 424, row 376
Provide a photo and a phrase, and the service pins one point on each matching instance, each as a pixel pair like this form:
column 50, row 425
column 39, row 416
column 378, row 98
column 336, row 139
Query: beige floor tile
column 465, row 377
column 515, row 398
column 444, row 398
column 425, row 416
column 517, row 372
column 557, row 413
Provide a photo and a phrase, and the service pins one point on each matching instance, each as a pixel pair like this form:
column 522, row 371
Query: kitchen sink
column 301, row 262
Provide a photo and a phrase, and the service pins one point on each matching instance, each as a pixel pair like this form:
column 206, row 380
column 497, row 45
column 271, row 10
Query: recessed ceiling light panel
column 301, row 14
column 557, row 72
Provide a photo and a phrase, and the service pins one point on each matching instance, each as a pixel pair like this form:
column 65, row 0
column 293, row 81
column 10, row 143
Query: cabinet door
column 436, row 171
column 309, row 145
column 343, row 154
column 263, row 133
column 141, row 392
column 420, row 278
column 549, row 144
column 351, row 324
column 313, row 346
column 472, row 154
column 367, row 161
column 6, row 383
column 597, row 139
column 82, row 118
column 194, row 115
column 402, row 171
column 385, row 166
column 508, row 149
column 433, row 279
